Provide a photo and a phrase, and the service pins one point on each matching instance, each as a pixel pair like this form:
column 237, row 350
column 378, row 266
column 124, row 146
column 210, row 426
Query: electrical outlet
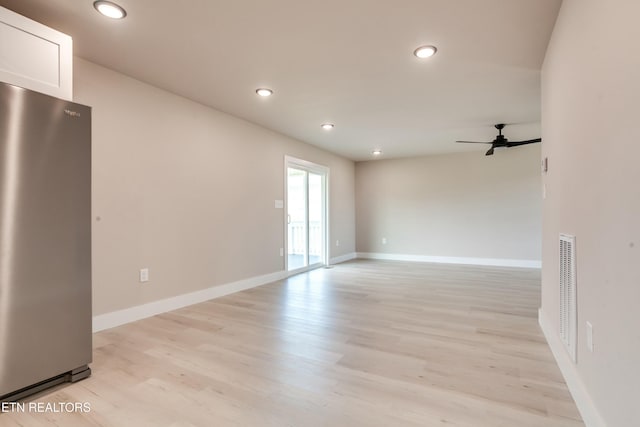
column 384, row 240
column 144, row 275
column 589, row 331
column 337, row 242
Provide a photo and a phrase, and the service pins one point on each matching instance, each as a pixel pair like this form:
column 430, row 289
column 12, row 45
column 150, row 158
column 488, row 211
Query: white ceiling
column 347, row 62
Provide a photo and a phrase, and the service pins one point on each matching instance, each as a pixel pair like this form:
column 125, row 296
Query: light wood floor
column 366, row 343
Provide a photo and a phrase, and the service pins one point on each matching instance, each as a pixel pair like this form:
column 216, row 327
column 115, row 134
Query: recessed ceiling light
column 376, row 152
column 264, row 92
column 425, row 51
column 110, row 10
column 327, row 126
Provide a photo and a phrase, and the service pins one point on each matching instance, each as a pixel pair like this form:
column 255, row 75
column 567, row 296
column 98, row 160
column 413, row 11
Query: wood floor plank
column 366, row 343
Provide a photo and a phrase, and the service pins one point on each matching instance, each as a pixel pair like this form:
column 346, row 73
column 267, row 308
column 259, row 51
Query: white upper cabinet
column 34, row 56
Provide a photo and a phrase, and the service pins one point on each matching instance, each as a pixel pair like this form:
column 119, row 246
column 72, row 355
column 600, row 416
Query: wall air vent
column 568, row 296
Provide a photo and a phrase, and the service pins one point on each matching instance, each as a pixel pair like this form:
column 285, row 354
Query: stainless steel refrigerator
column 45, row 241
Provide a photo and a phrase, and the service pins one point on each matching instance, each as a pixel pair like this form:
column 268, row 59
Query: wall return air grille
column 568, row 314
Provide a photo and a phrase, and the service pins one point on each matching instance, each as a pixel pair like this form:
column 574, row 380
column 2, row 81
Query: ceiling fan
column 501, row 141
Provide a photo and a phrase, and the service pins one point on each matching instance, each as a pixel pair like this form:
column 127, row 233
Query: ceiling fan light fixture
column 264, row 92
column 425, row 51
column 110, row 9
column 377, row 152
column 327, row 126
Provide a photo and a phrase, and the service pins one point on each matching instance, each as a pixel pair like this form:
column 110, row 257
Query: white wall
column 457, row 205
column 591, row 134
column 188, row 192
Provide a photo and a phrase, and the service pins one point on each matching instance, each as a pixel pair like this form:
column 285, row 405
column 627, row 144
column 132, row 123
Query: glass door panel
column 316, row 218
column 297, row 228
column 306, row 214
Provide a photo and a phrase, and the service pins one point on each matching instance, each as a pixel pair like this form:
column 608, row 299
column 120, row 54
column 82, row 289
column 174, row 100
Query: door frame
column 307, row 166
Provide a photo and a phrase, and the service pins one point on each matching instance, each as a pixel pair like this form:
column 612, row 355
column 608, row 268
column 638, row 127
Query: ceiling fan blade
column 501, row 141
column 529, row 141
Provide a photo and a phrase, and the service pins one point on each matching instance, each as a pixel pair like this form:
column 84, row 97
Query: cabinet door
column 34, row 56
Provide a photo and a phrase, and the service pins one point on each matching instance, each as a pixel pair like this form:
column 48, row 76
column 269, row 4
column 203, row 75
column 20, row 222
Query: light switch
column 279, row 204
column 589, row 331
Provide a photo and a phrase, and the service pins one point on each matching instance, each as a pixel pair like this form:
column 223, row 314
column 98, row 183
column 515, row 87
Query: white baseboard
column 343, row 258
column 120, row 317
column 588, row 411
column 497, row 262
column 127, row 315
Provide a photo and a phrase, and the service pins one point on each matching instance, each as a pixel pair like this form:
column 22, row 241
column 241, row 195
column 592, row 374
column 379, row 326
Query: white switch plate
column 279, row 204
column 281, row 251
column 384, row 240
column 589, row 331
column 144, row 275
column 337, row 242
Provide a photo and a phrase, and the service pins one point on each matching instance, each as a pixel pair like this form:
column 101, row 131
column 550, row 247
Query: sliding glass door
column 306, row 214
column 297, row 225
